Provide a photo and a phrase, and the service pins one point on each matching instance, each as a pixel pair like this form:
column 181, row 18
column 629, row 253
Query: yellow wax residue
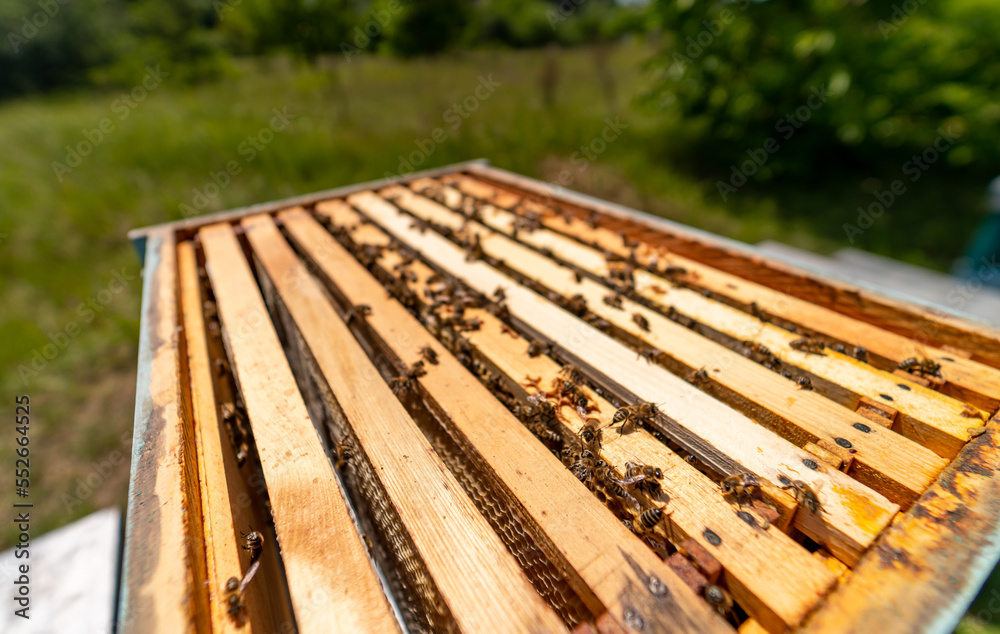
column 868, row 516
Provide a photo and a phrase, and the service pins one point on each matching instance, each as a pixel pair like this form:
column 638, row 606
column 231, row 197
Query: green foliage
column 427, row 26
column 893, row 73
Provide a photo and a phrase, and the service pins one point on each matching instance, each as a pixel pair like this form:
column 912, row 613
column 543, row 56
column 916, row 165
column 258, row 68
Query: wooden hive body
column 396, row 387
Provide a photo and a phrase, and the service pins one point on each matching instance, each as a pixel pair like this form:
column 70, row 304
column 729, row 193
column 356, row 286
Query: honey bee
column 649, row 519
column 860, row 354
column 924, row 367
column 804, row 383
column 357, row 312
column 577, row 305
column 839, row 347
column 234, row 601
column 808, row 345
column 804, row 495
column 719, row 599
column 568, row 456
column 222, row 367
column 537, row 348
column 499, row 294
column 429, row 354
column 699, row 377
column 645, row 477
column 650, row 354
column 641, row 321
column 591, row 435
column 254, row 543
column 620, row 493
column 674, row 271
column 631, row 417
column 344, row 455
column 741, row 485
column 572, row 373
column 613, row 300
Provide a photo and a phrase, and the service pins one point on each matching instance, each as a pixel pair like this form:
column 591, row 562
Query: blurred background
column 821, row 124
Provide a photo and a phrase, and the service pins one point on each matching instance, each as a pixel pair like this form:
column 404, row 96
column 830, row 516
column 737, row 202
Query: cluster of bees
column 236, row 587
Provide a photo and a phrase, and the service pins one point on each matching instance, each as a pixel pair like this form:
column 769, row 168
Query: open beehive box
column 466, row 401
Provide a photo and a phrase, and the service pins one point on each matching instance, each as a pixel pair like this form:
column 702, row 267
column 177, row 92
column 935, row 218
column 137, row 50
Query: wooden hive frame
column 358, row 378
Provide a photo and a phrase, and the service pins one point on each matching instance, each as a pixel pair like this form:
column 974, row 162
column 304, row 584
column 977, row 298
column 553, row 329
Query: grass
column 63, row 241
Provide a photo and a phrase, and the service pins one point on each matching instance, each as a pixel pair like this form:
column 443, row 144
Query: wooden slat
column 931, row 563
column 599, row 552
column 929, row 417
column 158, row 591
column 222, row 554
column 773, row 577
column 330, row 580
column 853, row 514
column 890, row 464
column 452, row 538
column 965, row 379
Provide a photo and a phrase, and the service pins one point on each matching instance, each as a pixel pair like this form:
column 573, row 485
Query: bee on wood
column 613, row 300
column 572, row 373
column 700, row 377
column 404, row 383
column 621, row 273
column 499, row 294
column 537, row 348
column 628, row 244
column 592, row 435
column 641, row 321
column 620, row 493
column 860, row 354
column 752, row 346
column 475, row 250
column 649, row 519
column 234, row 602
column 583, row 468
column 429, row 355
column 719, row 599
column 674, row 271
column 644, row 477
column 597, row 322
column 360, row 311
column 742, row 486
column 568, row 456
column 550, row 437
column 839, row 347
column 577, row 305
column 577, row 276
column 804, row 495
column 808, row 345
column 650, row 354
column 631, row 417
column 804, row 383
column 924, row 367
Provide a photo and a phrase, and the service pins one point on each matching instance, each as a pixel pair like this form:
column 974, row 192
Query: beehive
column 396, row 385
